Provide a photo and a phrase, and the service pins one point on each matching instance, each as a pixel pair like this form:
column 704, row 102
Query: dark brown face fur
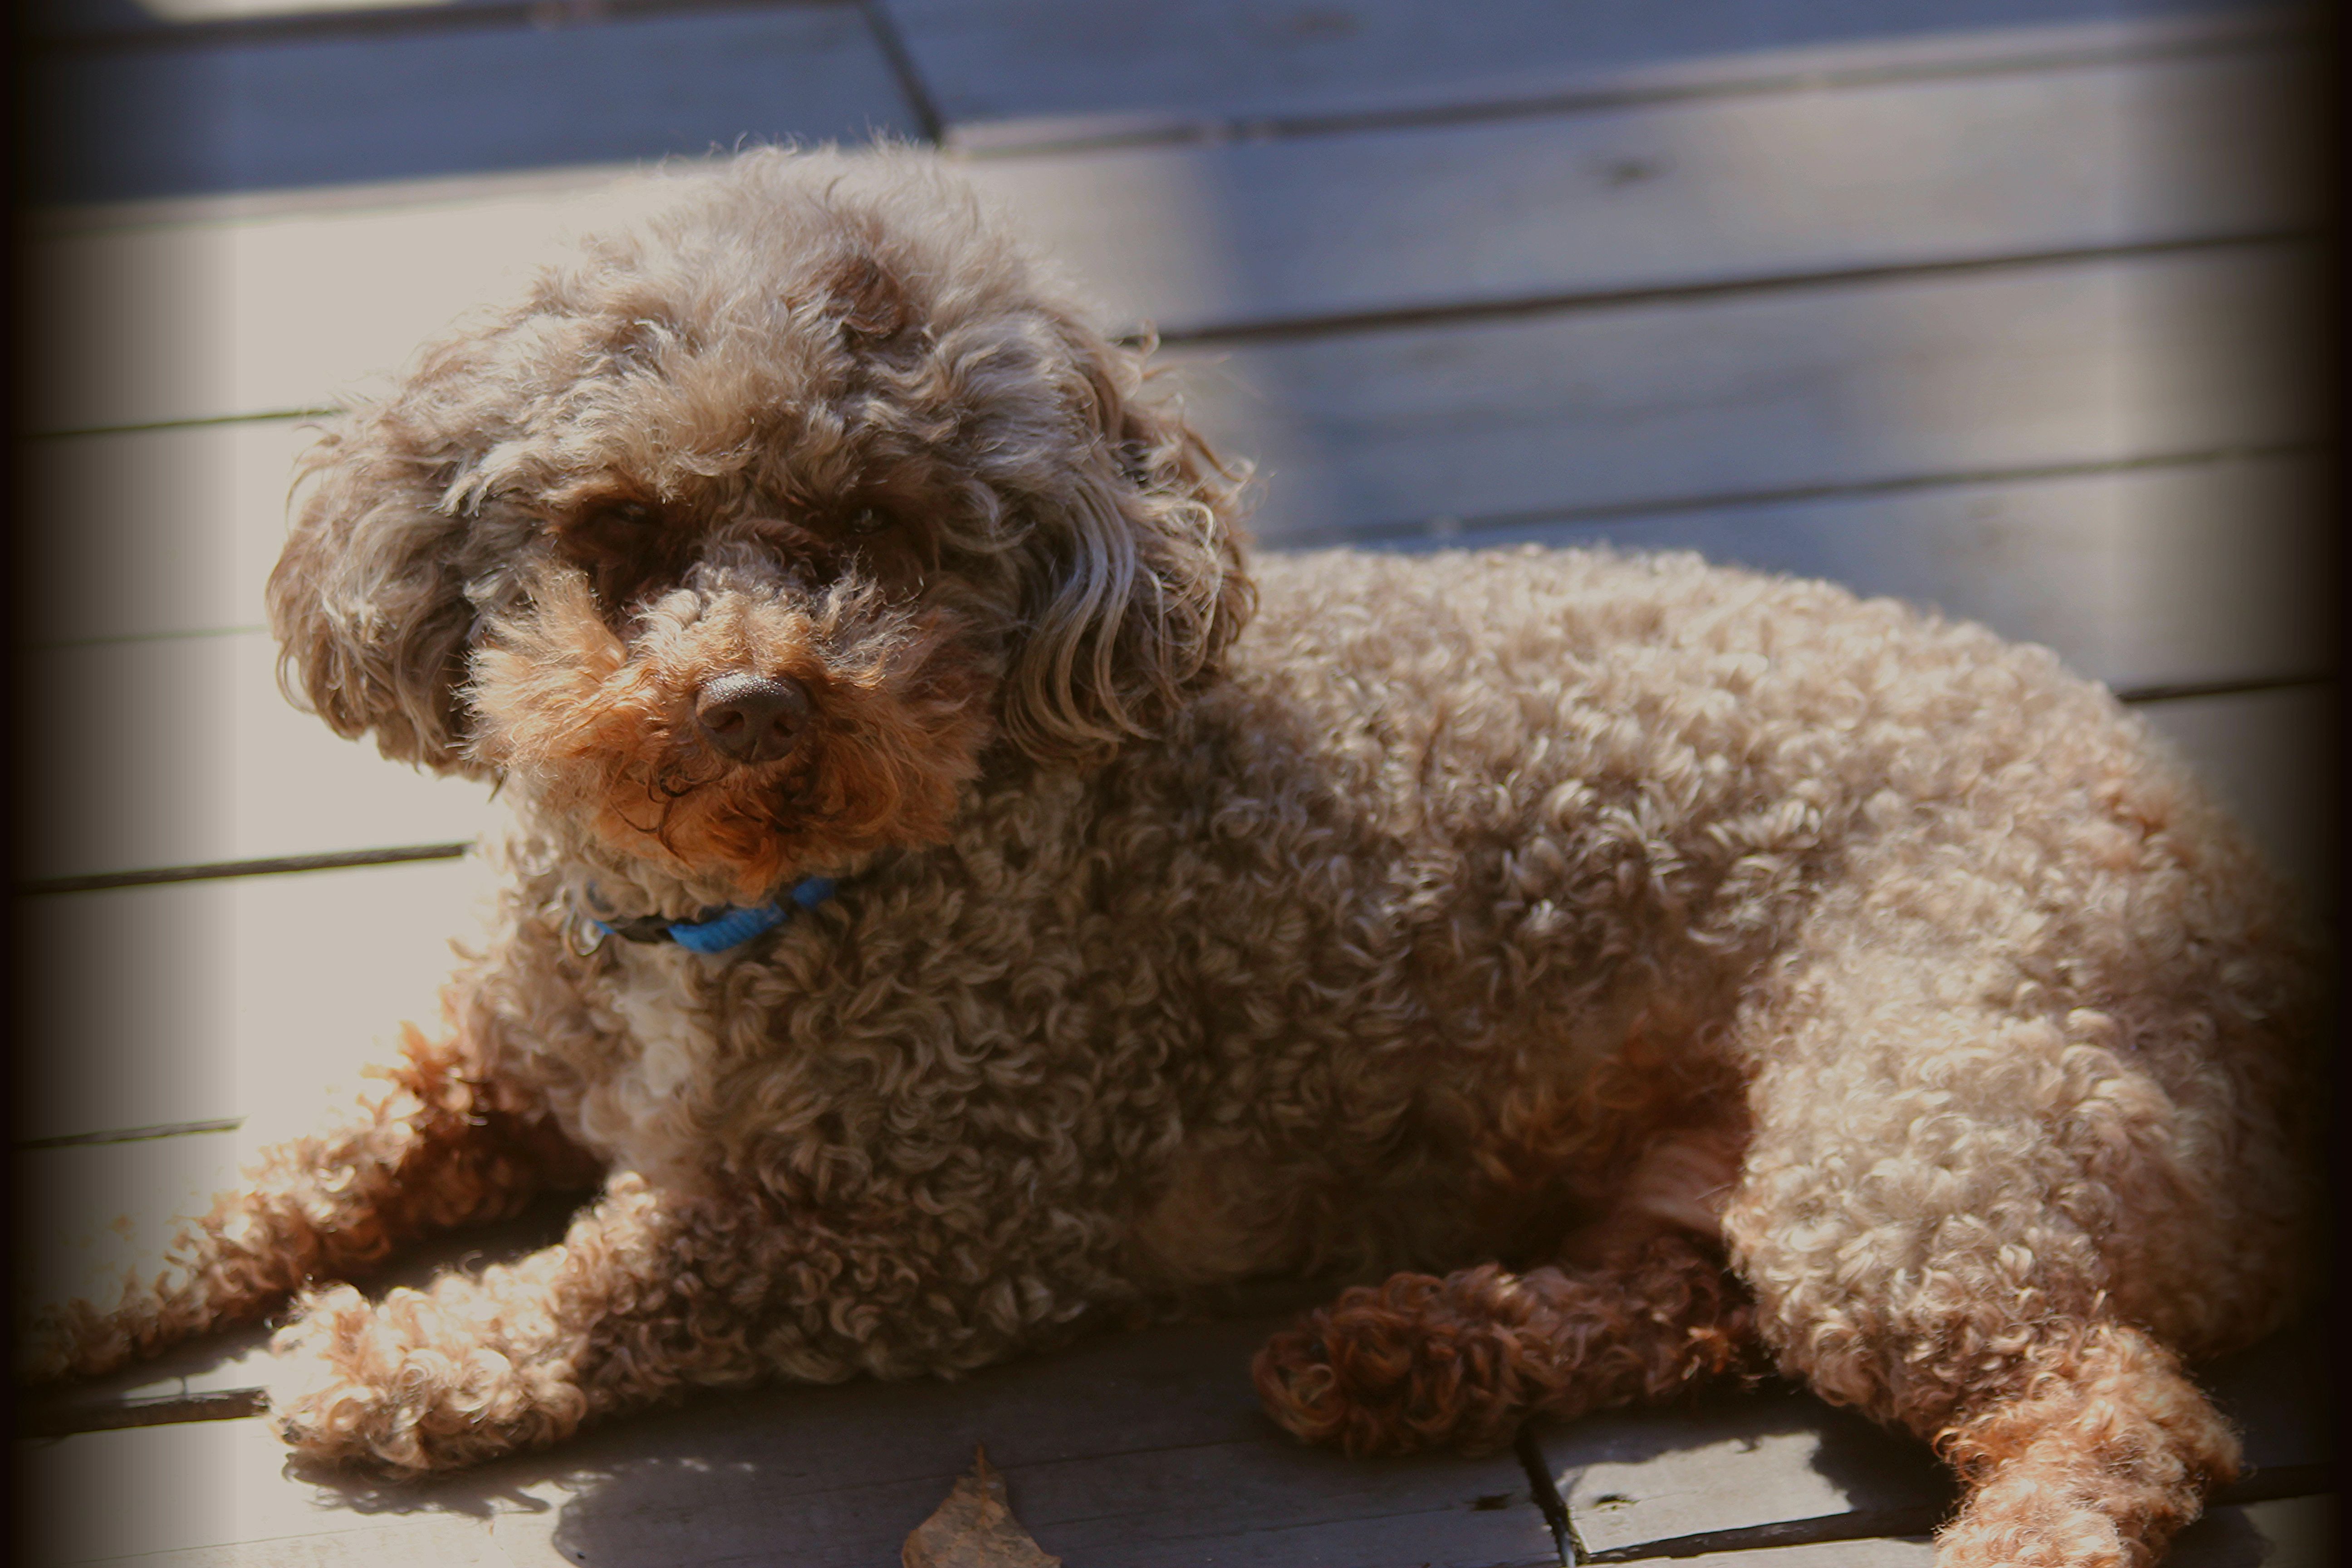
column 891, row 630
column 817, row 436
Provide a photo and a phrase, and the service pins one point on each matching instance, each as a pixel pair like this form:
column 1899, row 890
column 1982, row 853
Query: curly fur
column 1676, row 972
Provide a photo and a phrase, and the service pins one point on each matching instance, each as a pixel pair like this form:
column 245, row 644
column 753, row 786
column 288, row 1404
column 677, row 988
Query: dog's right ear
column 368, row 600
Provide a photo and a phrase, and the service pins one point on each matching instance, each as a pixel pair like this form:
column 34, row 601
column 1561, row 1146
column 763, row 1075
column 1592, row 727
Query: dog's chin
column 604, row 748
column 748, row 832
column 754, row 834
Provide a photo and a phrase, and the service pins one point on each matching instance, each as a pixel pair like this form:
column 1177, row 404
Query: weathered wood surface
column 227, row 112
column 1778, row 1466
column 2290, row 1533
column 1135, row 1450
column 1045, row 70
column 2146, row 578
column 166, row 313
column 1381, row 434
column 2273, row 758
column 1112, row 1436
column 1982, row 302
column 154, row 532
column 121, row 21
column 251, row 778
column 2287, row 1532
column 89, row 1213
column 195, row 1001
column 1688, row 194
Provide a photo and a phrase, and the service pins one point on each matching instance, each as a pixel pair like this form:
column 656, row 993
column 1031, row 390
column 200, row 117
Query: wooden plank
column 1879, row 1551
column 199, row 1000
column 2173, row 575
column 2289, row 1532
column 2272, row 758
column 86, row 1215
column 49, row 20
column 155, row 532
column 1135, row 1449
column 1635, row 1481
column 2284, row 1415
column 202, row 317
column 1117, row 1449
column 2292, row 1532
column 1684, row 193
column 212, row 1494
column 177, row 752
column 1041, row 70
column 1637, row 1478
column 209, row 113
column 1542, row 417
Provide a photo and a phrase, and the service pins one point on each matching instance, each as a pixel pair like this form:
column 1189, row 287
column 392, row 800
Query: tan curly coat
column 1690, row 971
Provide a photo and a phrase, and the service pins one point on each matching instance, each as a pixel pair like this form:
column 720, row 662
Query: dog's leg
column 1988, row 1193
column 424, row 1149
column 2079, row 1441
column 515, row 1357
column 1421, row 1363
column 2094, row 1450
column 1643, row 1312
column 652, row 1292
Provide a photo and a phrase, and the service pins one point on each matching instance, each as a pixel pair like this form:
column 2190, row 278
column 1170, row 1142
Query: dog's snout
column 751, row 717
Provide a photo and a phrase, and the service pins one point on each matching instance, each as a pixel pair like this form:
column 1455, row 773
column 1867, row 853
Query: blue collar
column 716, row 931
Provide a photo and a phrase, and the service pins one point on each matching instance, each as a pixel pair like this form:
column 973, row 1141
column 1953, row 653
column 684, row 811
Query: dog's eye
column 626, row 514
column 867, row 521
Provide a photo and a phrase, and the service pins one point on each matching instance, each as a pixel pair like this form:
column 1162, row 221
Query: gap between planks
column 1968, row 198
column 1308, row 327
column 1755, row 73
column 1300, row 327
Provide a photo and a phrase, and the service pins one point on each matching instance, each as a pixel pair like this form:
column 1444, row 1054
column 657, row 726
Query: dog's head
column 756, row 532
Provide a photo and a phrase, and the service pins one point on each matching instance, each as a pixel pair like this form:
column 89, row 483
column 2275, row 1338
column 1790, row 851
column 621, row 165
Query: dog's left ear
column 373, row 600
column 368, row 598
column 1139, row 587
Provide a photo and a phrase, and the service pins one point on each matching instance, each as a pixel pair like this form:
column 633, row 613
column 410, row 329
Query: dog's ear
column 1138, row 586
column 368, row 599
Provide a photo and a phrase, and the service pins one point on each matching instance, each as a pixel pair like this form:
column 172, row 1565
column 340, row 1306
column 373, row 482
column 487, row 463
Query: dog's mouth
column 740, row 740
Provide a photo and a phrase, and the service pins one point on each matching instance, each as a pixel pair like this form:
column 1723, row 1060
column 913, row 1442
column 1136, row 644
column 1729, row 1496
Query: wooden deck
column 2000, row 305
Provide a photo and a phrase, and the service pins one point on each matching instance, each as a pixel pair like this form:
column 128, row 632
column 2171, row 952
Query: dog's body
column 1614, row 920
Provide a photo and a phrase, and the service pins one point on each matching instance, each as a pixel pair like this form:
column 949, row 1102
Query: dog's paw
column 1390, row 1371
column 403, row 1389
column 2022, row 1523
column 46, row 1350
column 76, row 1339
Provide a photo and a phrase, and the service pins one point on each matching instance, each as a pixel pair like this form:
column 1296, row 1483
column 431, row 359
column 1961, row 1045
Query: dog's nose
column 751, row 717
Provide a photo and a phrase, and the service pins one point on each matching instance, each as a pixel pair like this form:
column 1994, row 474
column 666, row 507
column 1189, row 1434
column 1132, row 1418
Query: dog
column 956, row 900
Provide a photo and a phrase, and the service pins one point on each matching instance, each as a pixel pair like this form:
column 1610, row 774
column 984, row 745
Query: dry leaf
column 974, row 1529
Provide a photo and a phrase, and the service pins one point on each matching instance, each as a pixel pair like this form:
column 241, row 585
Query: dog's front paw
column 405, row 1388
column 49, row 1345
column 1390, row 1371
column 81, row 1339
